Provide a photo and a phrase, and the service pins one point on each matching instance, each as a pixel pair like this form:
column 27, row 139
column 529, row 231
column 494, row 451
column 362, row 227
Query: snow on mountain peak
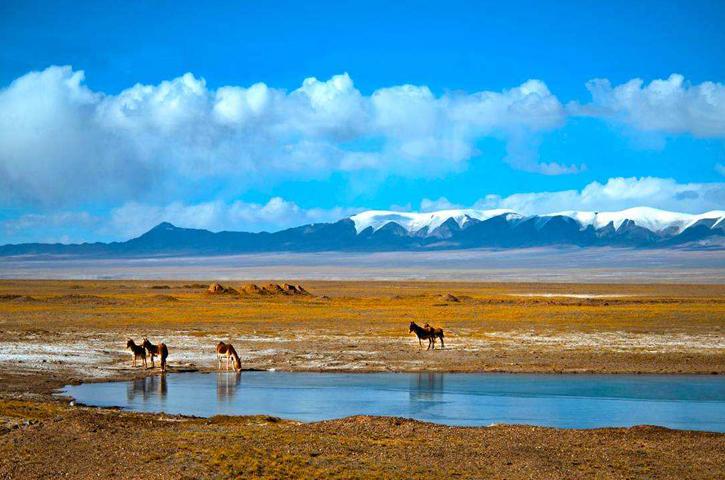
column 652, row 219
column 414, row 221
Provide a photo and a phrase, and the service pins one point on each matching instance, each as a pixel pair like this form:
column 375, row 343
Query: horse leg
column 152, row 360
column 443, row 345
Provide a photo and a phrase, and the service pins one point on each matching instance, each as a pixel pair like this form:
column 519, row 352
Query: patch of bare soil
column 165, row 298
column 79, row 299
column 48, row 440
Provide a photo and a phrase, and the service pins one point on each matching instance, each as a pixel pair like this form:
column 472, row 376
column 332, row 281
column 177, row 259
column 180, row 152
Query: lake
column 566, row 401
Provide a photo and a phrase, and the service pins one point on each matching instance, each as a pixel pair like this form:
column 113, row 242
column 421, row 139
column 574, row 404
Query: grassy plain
column 55, row 332
column 364, row 325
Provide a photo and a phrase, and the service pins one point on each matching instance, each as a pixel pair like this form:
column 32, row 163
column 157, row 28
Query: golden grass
column 380, row 308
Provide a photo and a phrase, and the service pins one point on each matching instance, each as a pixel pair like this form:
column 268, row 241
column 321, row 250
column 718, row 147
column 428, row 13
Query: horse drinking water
column 427, row 333
column 137, row 351
column 154, row 350
column 227, row 350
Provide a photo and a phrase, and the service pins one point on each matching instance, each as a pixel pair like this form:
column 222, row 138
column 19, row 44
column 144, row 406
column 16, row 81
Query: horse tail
column 163, row 353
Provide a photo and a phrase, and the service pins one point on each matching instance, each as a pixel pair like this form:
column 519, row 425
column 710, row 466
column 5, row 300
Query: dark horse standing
column 154, row 350
column 137, row 351
column 427, row 333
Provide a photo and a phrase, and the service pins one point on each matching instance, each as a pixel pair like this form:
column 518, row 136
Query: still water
column 566, row 401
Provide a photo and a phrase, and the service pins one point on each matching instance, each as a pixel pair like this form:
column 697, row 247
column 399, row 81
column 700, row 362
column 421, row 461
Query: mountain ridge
column 383, row 230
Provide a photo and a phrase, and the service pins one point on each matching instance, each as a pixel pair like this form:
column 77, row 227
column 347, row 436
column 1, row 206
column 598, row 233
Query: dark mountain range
column 390, row 231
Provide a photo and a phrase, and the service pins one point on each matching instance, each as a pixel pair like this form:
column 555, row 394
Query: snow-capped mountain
column 378, row 230
column 651, row 219
column 414, row 222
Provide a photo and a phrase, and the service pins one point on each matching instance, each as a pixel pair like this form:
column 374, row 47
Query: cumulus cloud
column 428, row 205
column 61, row 142
column 617, row 194
column 52, row 146
column 54, row 227
column 132, row 219
column 672, row 105
column 522, row 154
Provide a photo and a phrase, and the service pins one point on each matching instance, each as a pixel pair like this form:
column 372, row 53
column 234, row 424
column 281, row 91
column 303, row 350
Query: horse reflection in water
column 227, row 384
column 147, row 387
column 426, row 387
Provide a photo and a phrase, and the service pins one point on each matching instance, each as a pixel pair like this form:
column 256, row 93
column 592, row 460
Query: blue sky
column 415, row 105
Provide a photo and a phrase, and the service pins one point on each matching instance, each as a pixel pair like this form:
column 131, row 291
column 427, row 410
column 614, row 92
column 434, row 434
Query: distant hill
column 377, row 230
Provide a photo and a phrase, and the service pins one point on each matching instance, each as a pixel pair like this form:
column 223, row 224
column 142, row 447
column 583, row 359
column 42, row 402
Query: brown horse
column 436, row 333
column 427, row 333
column 154, row 350
column 137, row 351
column 227, row 350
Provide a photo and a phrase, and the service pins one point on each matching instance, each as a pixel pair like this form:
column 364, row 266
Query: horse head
column 412, row 327
column 130, row 344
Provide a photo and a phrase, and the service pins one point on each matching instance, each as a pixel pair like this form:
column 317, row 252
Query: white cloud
column 133, row 219
column 63, row 227
column 427, row 205
column 522, row 153
column 149, row 140
column 670, row 106
column 52, row 146
column 617, row 194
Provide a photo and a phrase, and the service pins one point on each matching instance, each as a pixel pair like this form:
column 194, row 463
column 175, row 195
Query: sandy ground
column 53, row 333
column 98, row 354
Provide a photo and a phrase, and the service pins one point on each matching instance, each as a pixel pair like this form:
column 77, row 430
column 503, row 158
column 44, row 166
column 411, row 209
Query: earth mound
column 251, row 289
column 450, row 298
column 218, row 289
column 294, row 289
column 273, row 289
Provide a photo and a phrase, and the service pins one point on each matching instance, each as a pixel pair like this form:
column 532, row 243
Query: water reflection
column 145, row 388
column 227, row 384
column 426, row 387
column 567, row 401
